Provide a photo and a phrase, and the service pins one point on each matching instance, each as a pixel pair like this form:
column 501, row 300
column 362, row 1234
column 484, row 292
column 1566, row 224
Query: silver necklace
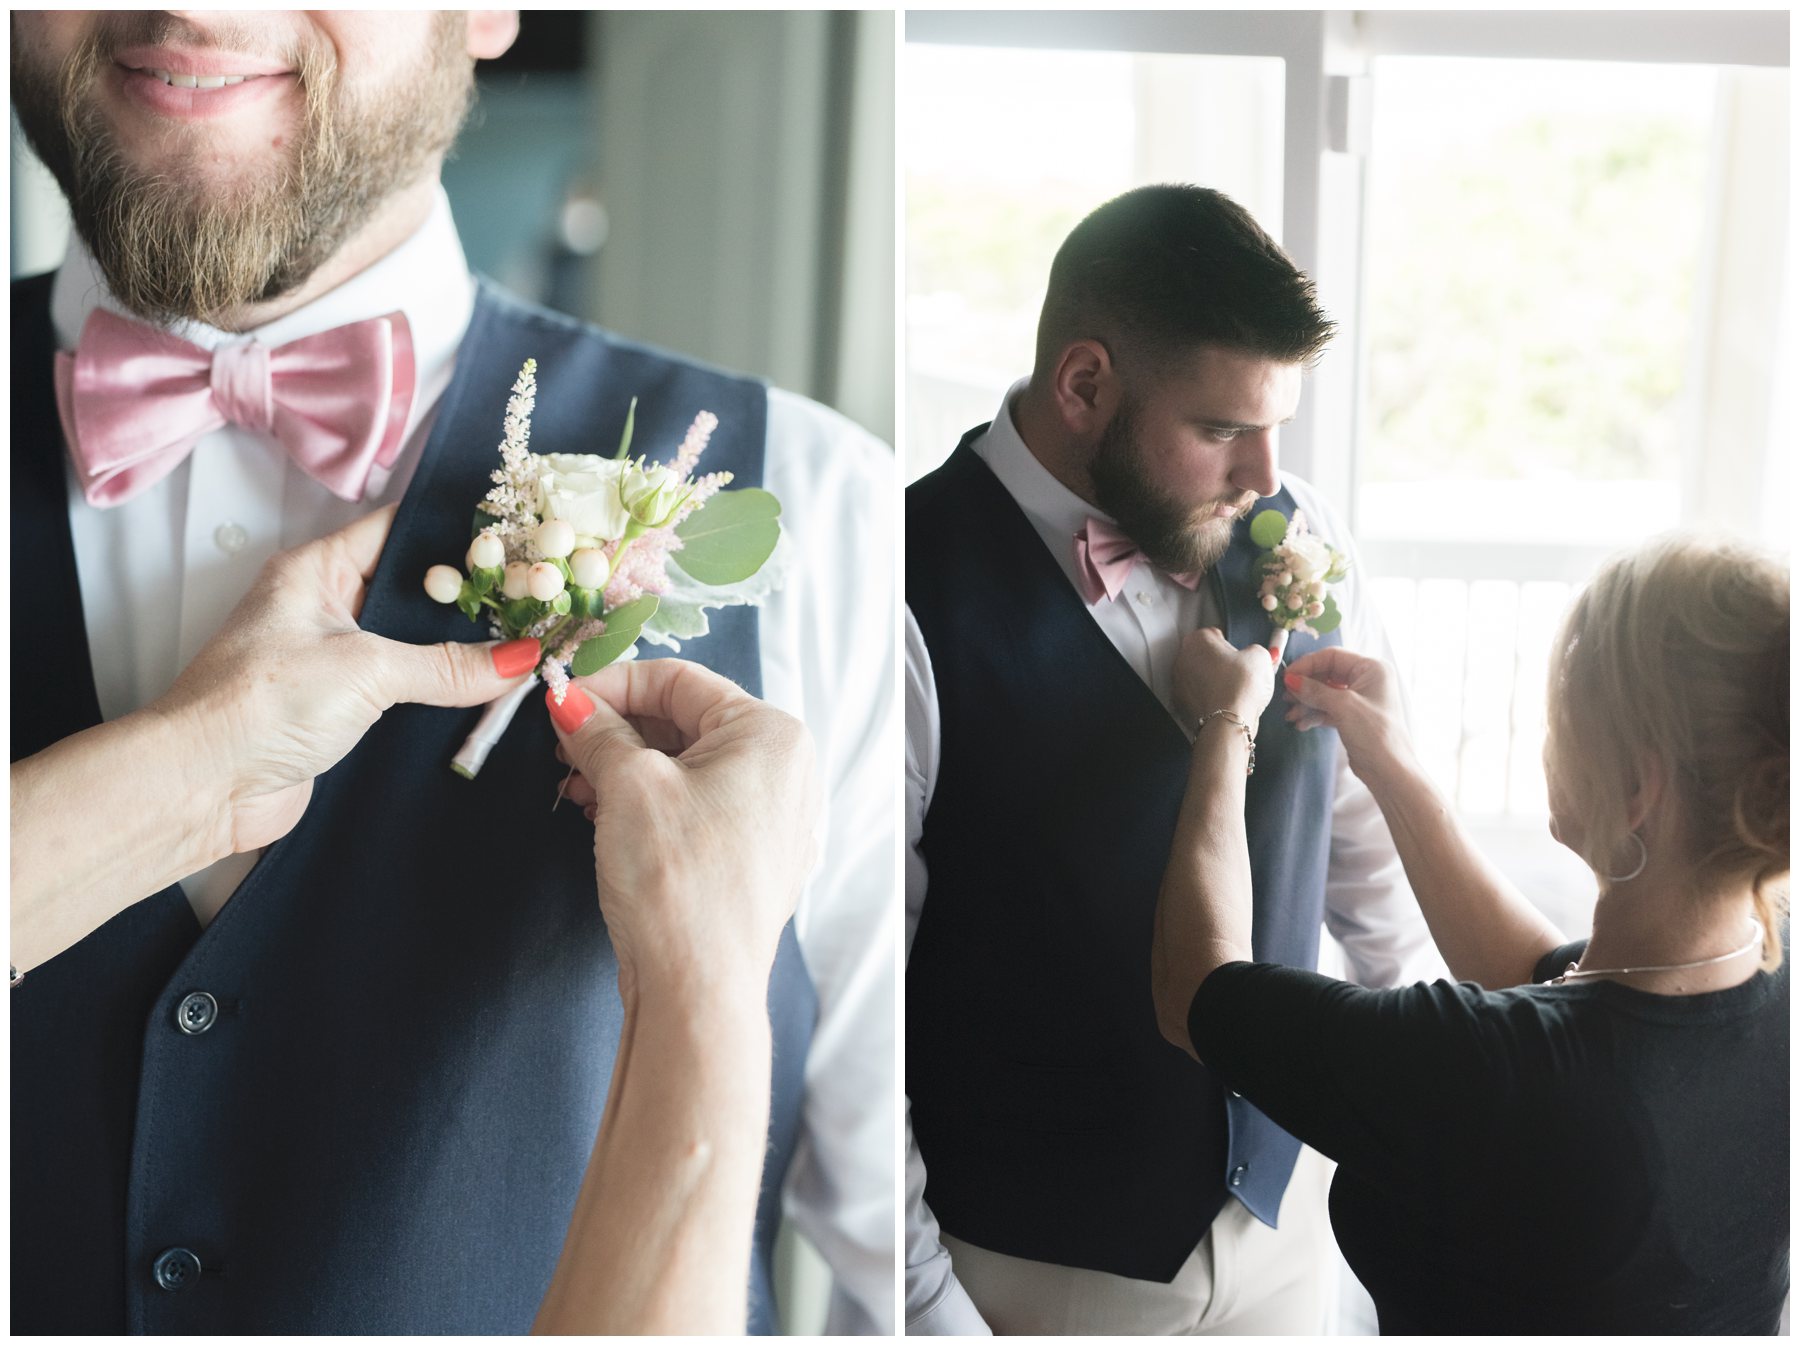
column 1570, row 972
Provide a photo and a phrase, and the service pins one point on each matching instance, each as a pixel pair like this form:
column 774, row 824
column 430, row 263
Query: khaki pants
column 1243, row 1279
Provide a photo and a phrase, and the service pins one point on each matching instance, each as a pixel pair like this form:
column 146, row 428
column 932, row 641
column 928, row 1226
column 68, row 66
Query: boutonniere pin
column 589, row 554
column 1297, row 567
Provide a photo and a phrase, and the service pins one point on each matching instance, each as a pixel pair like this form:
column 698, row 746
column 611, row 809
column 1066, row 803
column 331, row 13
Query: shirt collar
column 1053, row 509
column 426, row 278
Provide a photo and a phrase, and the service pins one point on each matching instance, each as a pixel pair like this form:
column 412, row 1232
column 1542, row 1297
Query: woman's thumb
column 454, row 673
column 593, row 732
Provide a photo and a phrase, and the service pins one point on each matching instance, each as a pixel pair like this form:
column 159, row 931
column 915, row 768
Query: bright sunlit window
column 1006, row 150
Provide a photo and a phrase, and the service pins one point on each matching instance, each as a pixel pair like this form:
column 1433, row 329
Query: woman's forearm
column 660, row 1240
column 1203, row 908
column 1486, row 930
column 101, row 820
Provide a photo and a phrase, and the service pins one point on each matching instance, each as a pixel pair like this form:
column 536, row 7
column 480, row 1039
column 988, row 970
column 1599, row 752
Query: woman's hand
column 1211, row 675
column 290, row 683
column 224, row 761
column 1358, row 697
column 704, row 802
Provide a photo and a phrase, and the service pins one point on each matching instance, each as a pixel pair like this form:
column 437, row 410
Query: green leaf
column 1268, row 528
column 486, row 579
column 469, row 601
column 625, row 439
column 561, row 603
column 562, row 564
column 729, row 537
column 623, row 624
column 520, row 613
column 482, row 520
column 1327, row 621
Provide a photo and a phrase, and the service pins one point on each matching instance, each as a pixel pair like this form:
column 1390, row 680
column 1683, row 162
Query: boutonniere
column 588, row 554
column 1295, row 570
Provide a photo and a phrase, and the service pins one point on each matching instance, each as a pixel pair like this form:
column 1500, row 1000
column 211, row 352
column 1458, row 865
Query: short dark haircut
column 1163, row 269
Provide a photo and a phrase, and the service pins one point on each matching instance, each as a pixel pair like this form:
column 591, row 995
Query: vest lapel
column 52, row 673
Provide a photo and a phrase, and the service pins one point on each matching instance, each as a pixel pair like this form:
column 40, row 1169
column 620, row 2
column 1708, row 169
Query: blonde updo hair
column 1679, row 652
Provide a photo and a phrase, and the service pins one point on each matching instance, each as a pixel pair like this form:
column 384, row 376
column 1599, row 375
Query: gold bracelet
column 1233, row 717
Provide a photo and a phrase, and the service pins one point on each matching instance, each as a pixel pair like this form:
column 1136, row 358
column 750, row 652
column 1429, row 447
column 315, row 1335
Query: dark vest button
column 196, row 1012
column 1238, row 1175
column 176, row 1269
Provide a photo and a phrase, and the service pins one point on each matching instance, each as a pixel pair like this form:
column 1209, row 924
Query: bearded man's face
column 214, row 161
column 1190, row 449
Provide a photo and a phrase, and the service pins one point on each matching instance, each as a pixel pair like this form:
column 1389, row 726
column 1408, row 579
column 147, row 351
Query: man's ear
column 1084, row 388
column 491, row 32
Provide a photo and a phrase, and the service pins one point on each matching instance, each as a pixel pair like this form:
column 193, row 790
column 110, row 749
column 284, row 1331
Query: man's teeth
column 199, row 81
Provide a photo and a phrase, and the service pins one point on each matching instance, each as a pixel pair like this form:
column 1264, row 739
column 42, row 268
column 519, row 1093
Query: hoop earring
column 1642, row 860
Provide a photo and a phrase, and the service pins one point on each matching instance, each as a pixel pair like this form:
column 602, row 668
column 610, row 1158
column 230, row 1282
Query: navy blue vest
column 384, row 1128
column 1054, row 1120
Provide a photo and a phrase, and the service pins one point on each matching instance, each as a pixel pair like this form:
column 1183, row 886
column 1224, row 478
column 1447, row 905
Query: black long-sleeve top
column 1577, row 1158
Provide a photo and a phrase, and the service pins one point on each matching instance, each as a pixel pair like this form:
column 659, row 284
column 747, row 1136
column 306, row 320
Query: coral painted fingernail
column 1274, row 655
column 516, row 657
column 1292, row 679
column 576, row 709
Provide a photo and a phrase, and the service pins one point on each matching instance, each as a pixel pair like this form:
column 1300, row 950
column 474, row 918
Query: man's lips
column 194, row 63
column 198, row 86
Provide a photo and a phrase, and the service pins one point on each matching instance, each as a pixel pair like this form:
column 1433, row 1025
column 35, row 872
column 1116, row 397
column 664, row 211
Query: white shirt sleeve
column 936, row 1305
column 1369, row 906
column 828, row 657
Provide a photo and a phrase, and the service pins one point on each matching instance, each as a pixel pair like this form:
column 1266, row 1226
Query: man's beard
column 173, row 246
column 1176, row 538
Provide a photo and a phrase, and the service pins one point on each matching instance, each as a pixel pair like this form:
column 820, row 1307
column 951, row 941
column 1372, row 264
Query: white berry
column 514, row 583
column 486, row 552
column 443, row 583
column 545, row 581
column 1270, row 603
column 1296, row 601
column 1315, row 609
column 556, row 538
column 590, row 567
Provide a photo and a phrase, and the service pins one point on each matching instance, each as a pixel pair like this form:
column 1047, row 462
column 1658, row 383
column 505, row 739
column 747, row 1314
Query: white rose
column 1308, row 557
column 582, row 490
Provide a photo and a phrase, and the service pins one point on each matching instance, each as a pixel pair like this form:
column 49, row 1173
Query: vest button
column 196, row 1012
column 176, row 1269
column 1238, row 1175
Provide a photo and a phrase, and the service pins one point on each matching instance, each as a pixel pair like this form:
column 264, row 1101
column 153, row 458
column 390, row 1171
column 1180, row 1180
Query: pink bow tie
column 1103, row 560
column 134, row 400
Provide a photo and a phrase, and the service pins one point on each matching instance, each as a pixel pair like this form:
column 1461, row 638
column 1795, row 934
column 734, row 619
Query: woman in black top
column 1586, row 1137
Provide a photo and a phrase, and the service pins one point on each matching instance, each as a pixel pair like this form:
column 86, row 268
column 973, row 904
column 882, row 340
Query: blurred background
column 721, row 185
column 1557, row 247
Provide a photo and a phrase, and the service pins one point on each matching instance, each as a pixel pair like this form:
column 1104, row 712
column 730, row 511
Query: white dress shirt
column 1369, row 909
column 160, row 573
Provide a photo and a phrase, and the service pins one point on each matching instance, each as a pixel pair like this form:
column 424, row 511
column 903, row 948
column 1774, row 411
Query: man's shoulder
column 951, row 480
column 562, row 329
column 1322, row 515
column 824, row 442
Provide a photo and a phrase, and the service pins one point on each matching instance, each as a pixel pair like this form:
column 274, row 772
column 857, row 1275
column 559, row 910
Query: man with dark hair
column 349, row 1081
column 1068, row 1171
